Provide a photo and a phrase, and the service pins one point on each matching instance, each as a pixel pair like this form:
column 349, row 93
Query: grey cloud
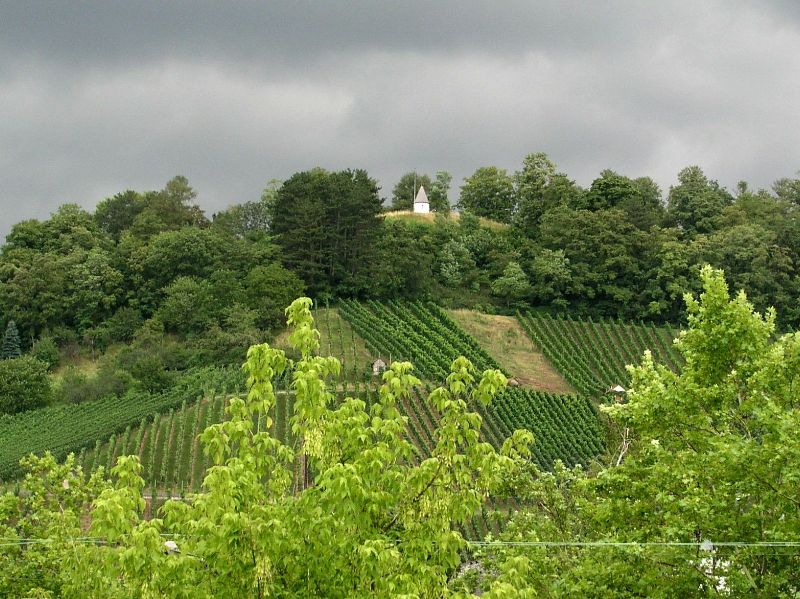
column 100, row 98
column 92, row 33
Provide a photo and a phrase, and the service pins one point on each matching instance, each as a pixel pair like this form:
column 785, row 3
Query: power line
column 699, row 544
column 704, row 545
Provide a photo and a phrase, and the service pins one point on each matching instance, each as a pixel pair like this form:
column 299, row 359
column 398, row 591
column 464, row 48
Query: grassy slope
column 431, row 216
column 506, row 342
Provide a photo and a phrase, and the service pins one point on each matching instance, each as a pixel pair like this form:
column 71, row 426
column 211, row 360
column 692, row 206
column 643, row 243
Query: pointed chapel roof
column 422, row 197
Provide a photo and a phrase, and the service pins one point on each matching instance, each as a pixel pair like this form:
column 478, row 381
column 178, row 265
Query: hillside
column 593, row 355
column 569, row 354
column 506, row 341
column 430, row 218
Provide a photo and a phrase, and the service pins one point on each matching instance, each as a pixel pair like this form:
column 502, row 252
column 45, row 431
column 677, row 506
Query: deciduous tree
column 405, row 191
column 489, row 192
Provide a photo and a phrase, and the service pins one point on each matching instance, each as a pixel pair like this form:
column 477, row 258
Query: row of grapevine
column 63, row 429
column 169, row 446
column 415, row 331
column 592, row 355
column 337, row 339
column 565, row 427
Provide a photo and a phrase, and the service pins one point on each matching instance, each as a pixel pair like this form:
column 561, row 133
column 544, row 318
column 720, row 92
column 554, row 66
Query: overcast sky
column 97, row 97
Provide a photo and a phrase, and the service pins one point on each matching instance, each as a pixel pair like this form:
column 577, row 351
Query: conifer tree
column 11, row 346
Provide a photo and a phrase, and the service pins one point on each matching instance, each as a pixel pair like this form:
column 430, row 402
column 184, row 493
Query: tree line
column 620, row 247
column 149, row 270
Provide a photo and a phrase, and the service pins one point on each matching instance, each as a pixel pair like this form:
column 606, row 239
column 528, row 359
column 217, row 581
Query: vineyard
column 65, row 429
column 169, row 447
column 565, row 426
column 415, row 331
column 174, row 463
column 162, row 429
column 592, row 355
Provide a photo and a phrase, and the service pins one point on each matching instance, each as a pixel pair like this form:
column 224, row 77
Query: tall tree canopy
column 326, row 224
column 439, row 190
column 489, row 192
column 696, row 201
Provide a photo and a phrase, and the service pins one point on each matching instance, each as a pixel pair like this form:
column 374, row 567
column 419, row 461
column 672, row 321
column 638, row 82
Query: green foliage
column 189, row 306
column 250, row 218
column 438, row 192
column 457, row 268
column 228, row 343
column 327, row 225
column 151, row 374
column 123, row 324
column 46, row 351
column 268, row 288
column 513, row 287
column 56, row 497
column 696, row 201
column 116, row 214
column 75, row 386
column 539, row 189
column 551, row 277
column 11, row 347
column 707, row 455
column 382, row 526
column 593, row 356
column 603, row 250
column 414, row 331
column 404, row 260
column 566, row 427
column 405, row 191
column 788, row 189
column 62, row 429
column 24, row 385
column 489, row 192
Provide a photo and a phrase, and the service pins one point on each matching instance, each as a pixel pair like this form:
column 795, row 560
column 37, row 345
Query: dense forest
column 620, row 247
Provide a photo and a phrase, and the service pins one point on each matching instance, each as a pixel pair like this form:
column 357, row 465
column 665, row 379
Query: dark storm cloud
column 294, row 31
column 97, row 97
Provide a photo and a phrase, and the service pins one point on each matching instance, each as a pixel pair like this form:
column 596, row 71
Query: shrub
column 122, row 326
column 24, row 385
column 77, row 387
column 45, row 350
column 150, row 374
column 73, row 387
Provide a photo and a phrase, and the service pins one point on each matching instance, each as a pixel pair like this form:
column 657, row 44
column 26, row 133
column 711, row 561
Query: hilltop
column 430, row 218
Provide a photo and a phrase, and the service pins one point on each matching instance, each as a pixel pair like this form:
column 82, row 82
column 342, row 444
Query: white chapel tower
column 421, row 205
